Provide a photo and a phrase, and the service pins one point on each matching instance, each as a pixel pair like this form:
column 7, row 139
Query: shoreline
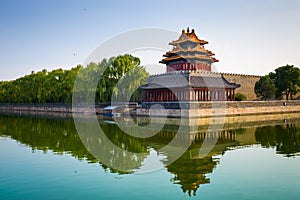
column 217, row 108
column 173, row 109
column 191, row 125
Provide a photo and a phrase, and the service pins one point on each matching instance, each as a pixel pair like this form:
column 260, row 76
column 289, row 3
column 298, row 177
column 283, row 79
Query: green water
column 42, row 157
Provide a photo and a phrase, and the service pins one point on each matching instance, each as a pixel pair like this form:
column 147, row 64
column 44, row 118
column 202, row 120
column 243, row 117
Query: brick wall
column 247, row 83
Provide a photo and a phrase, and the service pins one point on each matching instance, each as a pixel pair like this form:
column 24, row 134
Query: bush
column 240, row 97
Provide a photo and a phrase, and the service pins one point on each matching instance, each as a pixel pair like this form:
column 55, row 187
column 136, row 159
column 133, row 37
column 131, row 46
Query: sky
column 248, row 37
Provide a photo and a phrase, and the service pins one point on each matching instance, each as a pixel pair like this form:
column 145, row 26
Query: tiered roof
column 188, row 79
column 188, row 47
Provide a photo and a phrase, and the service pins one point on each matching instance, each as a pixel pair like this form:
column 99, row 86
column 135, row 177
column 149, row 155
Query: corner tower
column 189, row 76
column 188, row 54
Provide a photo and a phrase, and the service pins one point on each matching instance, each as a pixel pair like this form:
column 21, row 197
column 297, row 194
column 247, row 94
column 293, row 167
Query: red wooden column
column 159, row 95
column 166, row 95
column 201, row 95
column 221, row 95
column 226, row 95
column 173, row 96
column 153, row 96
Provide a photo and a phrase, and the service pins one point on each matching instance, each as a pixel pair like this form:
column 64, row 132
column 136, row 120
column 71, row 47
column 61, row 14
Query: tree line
column 57, row 86
column 285, row 81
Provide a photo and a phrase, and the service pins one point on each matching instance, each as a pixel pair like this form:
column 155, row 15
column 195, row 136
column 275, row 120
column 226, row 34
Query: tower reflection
column 190, row 170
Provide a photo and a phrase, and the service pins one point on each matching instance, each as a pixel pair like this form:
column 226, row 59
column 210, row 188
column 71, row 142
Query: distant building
column 189, row 76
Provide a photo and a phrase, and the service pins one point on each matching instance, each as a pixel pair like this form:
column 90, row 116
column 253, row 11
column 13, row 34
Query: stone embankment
column 207, row 109
column 184, row 109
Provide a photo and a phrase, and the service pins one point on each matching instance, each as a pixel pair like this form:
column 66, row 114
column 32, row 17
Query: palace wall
column 247, row 83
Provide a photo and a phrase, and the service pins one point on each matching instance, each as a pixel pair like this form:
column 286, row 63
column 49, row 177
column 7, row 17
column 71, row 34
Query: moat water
column 43, row 157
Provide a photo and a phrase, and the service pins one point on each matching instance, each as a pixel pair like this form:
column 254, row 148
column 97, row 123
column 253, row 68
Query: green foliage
column 120, row 78
column 61, row 137
column 284, row 138
column 125, row 77
column 287, row 81
column 57, row 86
column 240, row 97
column 41, row 87
column 128, row 86
column 265, row 88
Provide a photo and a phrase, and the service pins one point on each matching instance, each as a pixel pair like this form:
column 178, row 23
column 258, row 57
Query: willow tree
column 121, row 76
column 57, row 86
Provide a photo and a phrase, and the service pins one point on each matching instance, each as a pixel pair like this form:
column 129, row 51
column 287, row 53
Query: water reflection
column 286, row 138
column 190, row 170
column 43, row 133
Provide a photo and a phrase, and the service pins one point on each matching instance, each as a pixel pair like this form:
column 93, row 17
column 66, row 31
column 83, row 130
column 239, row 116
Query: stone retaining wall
column 206, row 109
column 58, row 108
column 188, row 109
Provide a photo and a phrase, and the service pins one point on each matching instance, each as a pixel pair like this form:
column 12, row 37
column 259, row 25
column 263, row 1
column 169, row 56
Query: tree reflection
column 190, row 170
column 285, row 138
column 41, row 133
column 60, row 136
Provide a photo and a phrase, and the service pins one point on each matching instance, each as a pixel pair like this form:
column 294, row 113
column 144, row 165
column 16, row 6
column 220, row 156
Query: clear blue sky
column 251, row 37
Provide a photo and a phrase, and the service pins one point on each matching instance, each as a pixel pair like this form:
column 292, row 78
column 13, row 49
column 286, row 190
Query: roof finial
column 193, row 30
column 188, row 30
column 183, row 31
